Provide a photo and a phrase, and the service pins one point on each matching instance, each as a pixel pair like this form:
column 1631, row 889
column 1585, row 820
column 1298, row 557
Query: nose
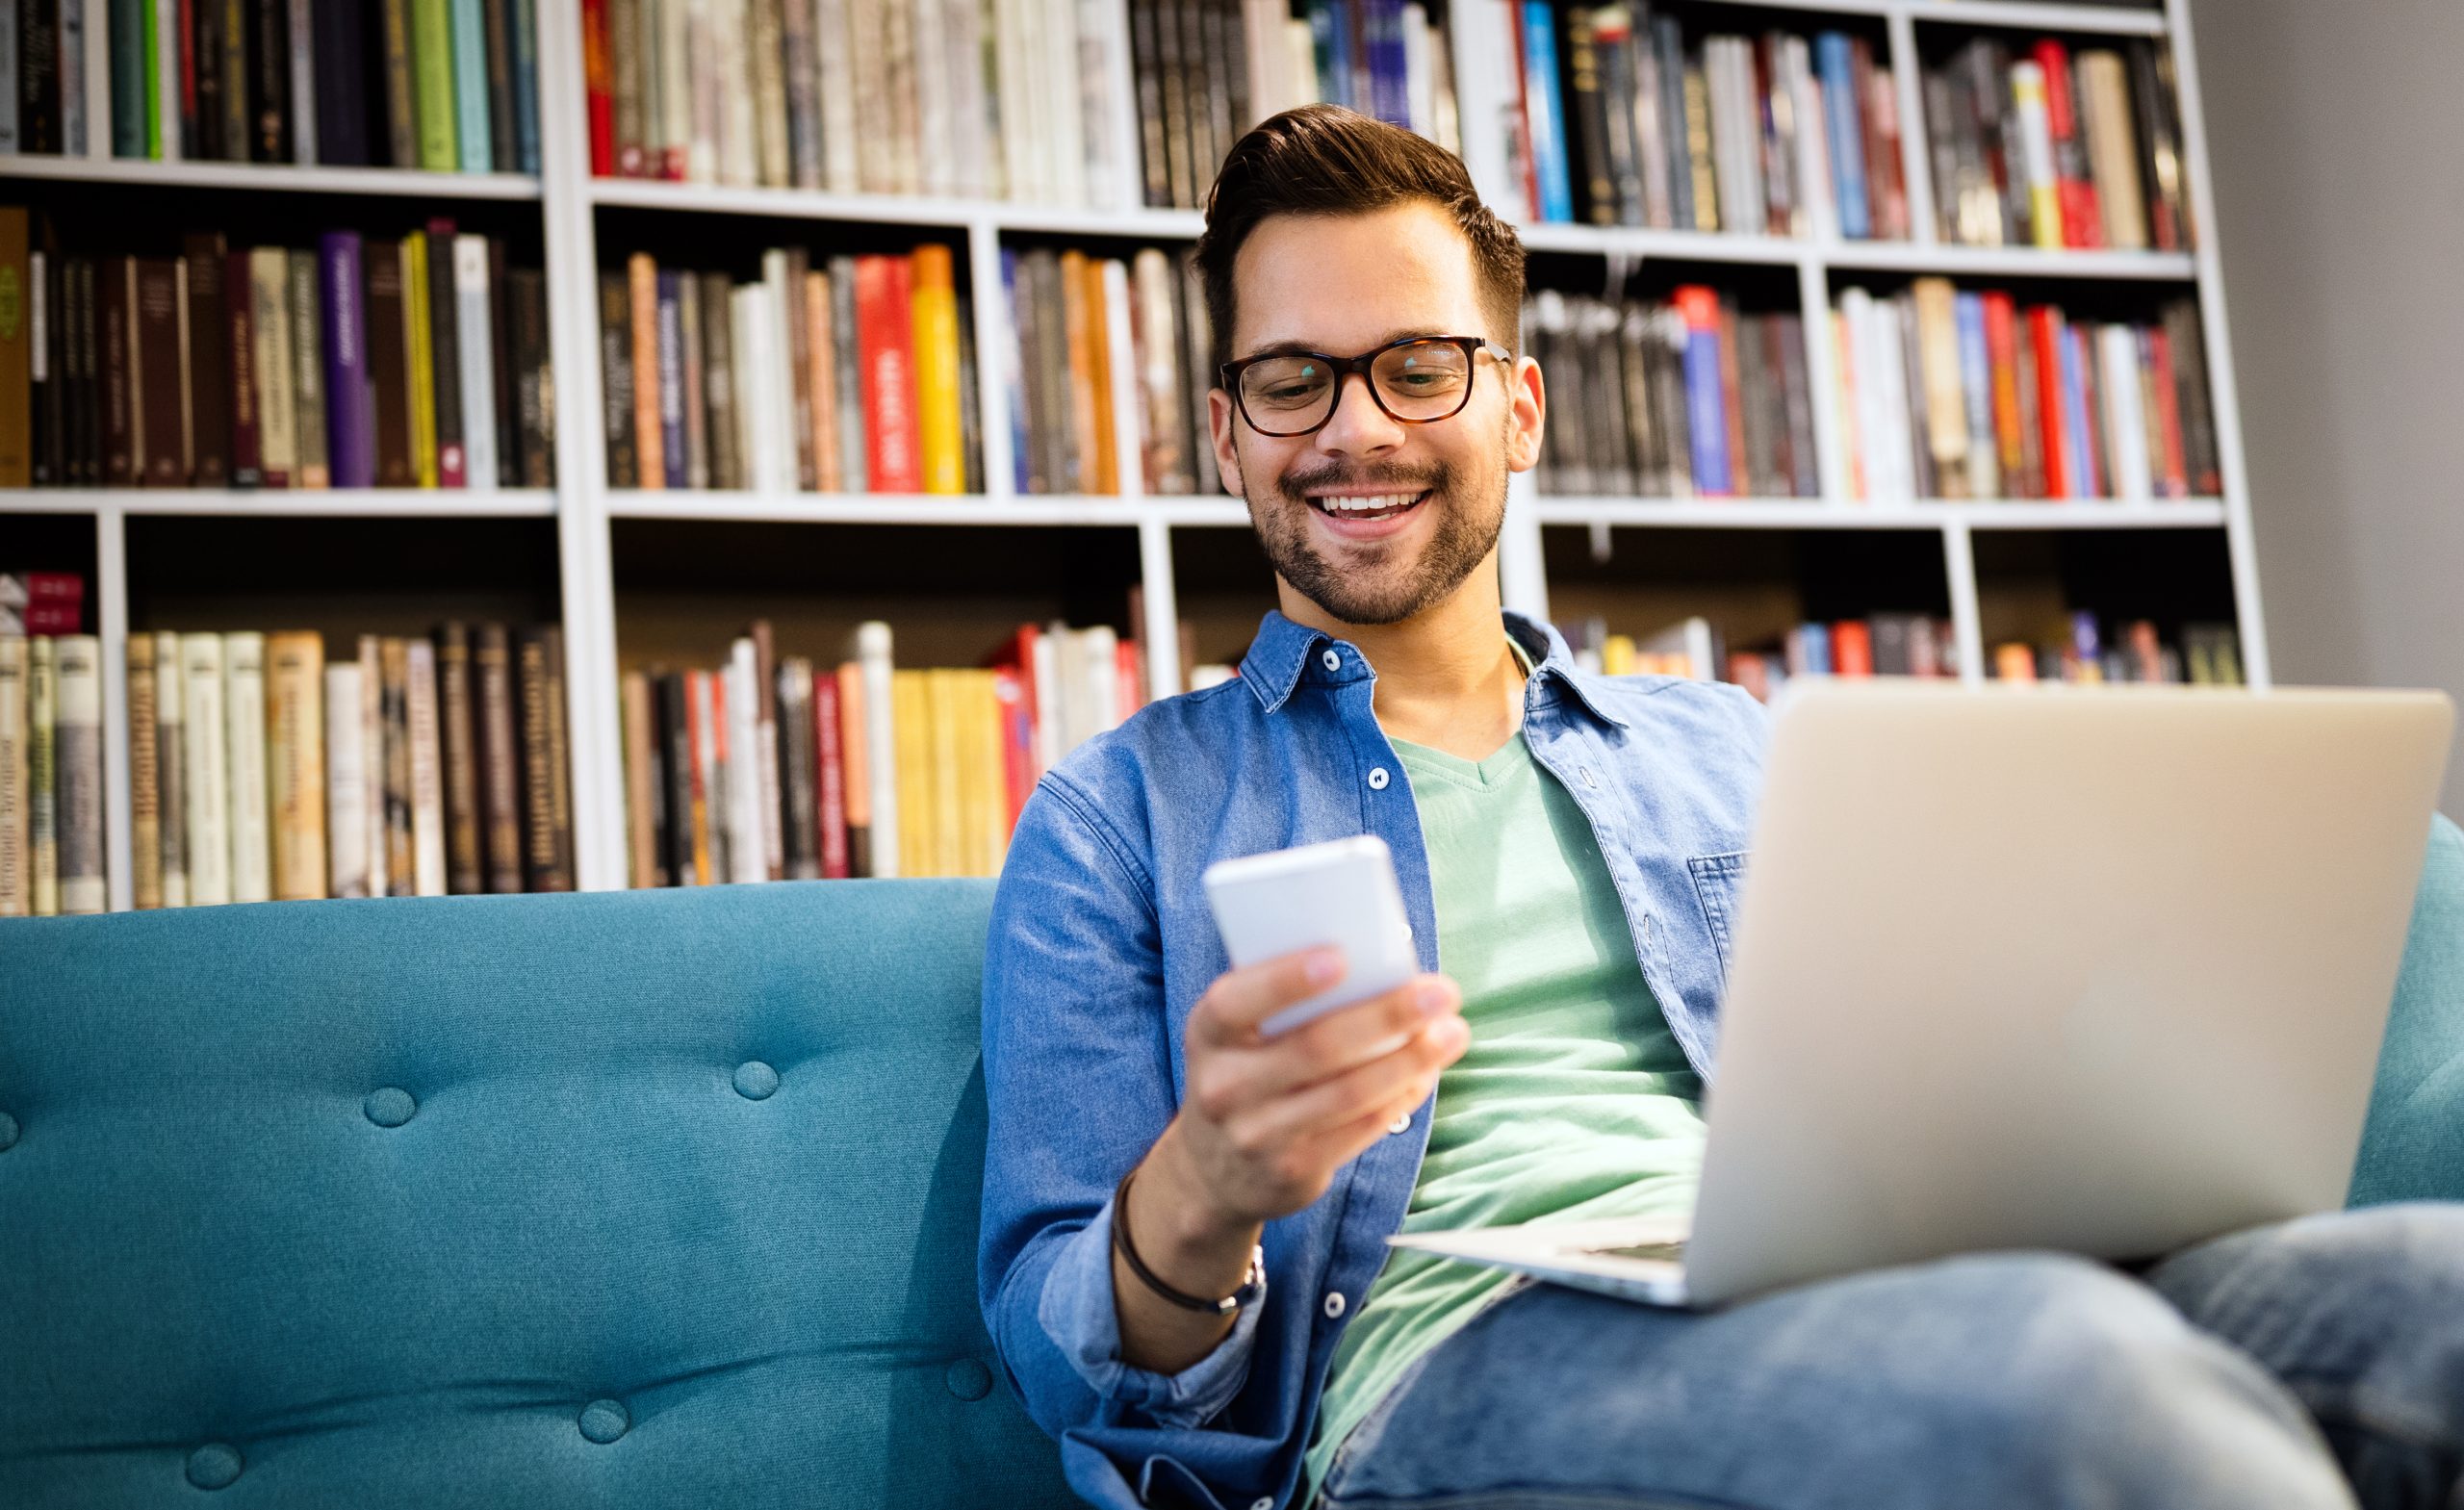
column 1358, row 427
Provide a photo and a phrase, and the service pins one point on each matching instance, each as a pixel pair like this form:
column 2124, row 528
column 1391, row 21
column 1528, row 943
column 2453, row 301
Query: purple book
column 671, row 380
column 350, row 406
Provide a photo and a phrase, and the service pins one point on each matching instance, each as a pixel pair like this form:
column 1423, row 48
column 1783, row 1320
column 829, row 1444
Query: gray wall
column 2336, row 140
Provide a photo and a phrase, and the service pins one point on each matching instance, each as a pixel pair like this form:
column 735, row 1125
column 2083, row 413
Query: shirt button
column 1400, row 1125
column 1332, row 662
column 1377, row 778
column 1334, row 1303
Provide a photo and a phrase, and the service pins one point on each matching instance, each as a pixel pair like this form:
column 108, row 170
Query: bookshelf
column 631, row 573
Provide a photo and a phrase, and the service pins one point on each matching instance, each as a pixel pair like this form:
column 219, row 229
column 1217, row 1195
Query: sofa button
column 604, row 1420
column 8, row 1132
column 390, row 1105
column 969, row 1379
column 755, row 1081
column 213, row 1466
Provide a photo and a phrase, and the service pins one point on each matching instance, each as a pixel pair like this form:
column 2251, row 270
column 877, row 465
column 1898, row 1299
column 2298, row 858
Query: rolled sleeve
column 1076, row 1311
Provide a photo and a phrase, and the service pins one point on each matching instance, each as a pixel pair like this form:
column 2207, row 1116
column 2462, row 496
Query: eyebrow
column 1303, row 349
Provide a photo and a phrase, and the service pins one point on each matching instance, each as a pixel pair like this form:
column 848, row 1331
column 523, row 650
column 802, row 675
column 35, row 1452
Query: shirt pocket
column 1716, row 880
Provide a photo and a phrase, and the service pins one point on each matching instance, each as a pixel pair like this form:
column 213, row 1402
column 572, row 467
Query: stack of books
column 447, row 85
column 775, row 767
column 260, row 769
column 2208, row 654
column 855, row 376
column 942, row 97
column 1689, row 399
column 2034, row 147
column 1620, row 117
column 1955, row 395
column 1105, row 350
column 366, row 362
column 1384, row 58
column 51, row 749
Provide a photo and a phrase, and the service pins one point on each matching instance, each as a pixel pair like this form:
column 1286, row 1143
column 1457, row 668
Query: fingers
column 1240, row 999
column 1365, row 1092
column 1227, row 1078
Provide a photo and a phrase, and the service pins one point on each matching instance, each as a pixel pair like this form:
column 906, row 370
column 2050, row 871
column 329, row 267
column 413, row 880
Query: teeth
column 1365, row 506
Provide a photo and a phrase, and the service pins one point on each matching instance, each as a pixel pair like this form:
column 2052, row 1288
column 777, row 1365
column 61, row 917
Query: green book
column 432, row 67
column 153, row 86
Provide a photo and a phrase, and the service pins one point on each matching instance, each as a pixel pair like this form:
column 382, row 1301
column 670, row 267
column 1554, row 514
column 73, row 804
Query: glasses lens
column 1286, row 393
column 1425, row 380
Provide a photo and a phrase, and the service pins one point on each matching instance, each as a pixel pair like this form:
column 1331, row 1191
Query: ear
column 1220, row 419
column 1530, row 413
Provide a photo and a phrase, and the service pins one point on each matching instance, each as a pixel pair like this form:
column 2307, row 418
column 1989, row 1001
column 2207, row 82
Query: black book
column 1146, row 67
column 504, row 151
column 51, row 400
column 85, row 411
column 616, row 377
column 1614, row 45
column 340, row 44
column 269, row 63
column 202, row 123
column 231, row 40
column 536, row 388
column 1668, row 42
column 676, row 742
column 445, row 350
column 39, row 75
column 1588, row 112
column 508, row 406
column 1174, row 81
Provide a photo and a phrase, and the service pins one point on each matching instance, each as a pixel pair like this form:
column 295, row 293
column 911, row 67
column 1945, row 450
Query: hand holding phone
column 1341, row 892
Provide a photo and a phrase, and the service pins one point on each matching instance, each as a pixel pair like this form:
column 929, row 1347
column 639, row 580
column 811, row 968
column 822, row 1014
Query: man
column 1183, row 1262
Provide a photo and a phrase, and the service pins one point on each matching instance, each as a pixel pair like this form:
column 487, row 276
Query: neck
column 1446, row 676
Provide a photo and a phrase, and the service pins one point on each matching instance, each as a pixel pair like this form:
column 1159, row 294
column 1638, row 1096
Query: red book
column 2002, row 358
column 2083, row 221
column 1018, row 655
column 1011, row 694
column 2172, row 469
column 1129, row 669
column 595, row 85
column 831, row 766
column 247, row 468
column 886, row 355
column 1523, row 114
column 2046, row 324
column 1851, row 649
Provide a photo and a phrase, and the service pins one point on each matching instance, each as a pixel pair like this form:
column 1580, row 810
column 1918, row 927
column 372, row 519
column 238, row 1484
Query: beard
column 1380, row 585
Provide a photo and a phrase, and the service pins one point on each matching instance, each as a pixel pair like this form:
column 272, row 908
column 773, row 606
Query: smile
column 1367, row 506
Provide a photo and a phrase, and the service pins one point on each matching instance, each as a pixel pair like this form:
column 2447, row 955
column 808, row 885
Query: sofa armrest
column 2412, row 1147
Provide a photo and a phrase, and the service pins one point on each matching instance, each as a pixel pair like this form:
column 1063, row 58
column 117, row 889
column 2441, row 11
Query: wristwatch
column 1253, row 1284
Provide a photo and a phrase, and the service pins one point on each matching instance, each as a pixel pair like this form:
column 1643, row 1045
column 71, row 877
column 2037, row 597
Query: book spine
column 1705, row 408
column 649, row 436
column 641, row 784
column 78, row 764
column 474, row 341
column 499, row 763
column 667, row 365
column 117, row 440
column 16, row 736
column 401, row 863
column 269, row 53
column 433, row 67
column 339, row 45
column 345, row 792
column 171, row 766
column 467, row 87
column 419, row 359
column 350, row 403
column 244, row 707
column 855, row 463
column 830, row 777
column 675, row 768
column 709, row 750
column 269, row 327
column 144, row 773
column 42, row 776
column 445, row 355
column 616, row 380
column 428, row 769
column 497, row 22
column 538, row 800
column 17, row 352
column 401, row 103
column 295, row 753
column 821, row 378
column 799, row 779
column 935, row 324
column 239, row 309
column 1547, row 123
column 307, row 373
column 763, row 757
column 459, row 761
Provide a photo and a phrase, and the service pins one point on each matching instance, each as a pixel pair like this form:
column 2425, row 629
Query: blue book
column 2082, row 470
column 470, row 87
column 1389, row 76
column 1976, row 377
column 1330, row 33
column 525, row 85
column 1014, row 375
column 1836, row 65
column 1706, row 419
column 1547, row 110
column 1812, row 644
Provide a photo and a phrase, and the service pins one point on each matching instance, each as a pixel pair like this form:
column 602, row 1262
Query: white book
column 371, row 742
column 970, row 125
column 740, row 150
column 2129, row 474
column 1121, row 364
column 650, row 41
column 880, row 741
column 926, row 20
column 16, row 889
column 345, row 782
column 277, row 402
column 1103, row 677
column 779, row 369
column 171, row 767
column 474, row 339
column 701, row 41
column 746, row 860
column 77, row 759
column 209, row 771
column 1887, row 371
column 834, row 46
column 98, row 80
column 1050, row 714
column 1265, row 56
column 1016, row 71
column 42, row 775
column 1105, row 188
column 751, row 440
column 166, row 79
column 1159, row 374
column 303, row 84
column 243, row 717
column 427, row 772
column 1420, row 71
column 677, row 82
column 1065, row 148
column 1813, row 142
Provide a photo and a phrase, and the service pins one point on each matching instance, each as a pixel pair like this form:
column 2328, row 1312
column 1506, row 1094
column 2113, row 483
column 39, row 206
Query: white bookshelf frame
column 585, row 509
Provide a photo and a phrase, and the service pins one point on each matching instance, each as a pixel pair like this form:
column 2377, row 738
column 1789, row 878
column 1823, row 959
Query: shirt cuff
column 1076, row 1311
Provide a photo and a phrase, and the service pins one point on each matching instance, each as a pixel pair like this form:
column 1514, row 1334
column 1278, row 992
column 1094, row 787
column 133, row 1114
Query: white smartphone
column 1341, row 892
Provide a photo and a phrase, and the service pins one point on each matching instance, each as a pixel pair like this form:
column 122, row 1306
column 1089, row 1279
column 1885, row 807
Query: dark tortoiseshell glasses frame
column 1473, row 347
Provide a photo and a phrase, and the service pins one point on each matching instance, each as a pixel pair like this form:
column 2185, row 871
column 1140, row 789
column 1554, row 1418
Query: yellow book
column 992, row 760
column 1106, row 471
column 947, row 712
column 979, row 778
column 295, row 761
column 422, row 358
column 935, row 311
column 1617, row 656
column 910, row 722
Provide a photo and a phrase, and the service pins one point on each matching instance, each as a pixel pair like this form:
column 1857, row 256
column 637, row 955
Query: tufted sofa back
column 636, row 1199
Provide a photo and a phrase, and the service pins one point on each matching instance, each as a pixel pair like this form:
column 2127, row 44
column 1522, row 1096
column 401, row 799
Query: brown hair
column 1326, row 160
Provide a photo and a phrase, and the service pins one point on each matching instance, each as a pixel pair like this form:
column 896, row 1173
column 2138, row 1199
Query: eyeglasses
column 1417, row 380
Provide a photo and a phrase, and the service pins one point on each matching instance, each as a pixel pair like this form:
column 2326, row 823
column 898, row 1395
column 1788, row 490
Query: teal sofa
column 651, row 1199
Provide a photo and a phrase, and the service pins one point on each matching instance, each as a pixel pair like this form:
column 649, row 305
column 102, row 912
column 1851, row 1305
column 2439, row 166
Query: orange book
column 2173, row 469
column 2015, row 661
column 856, row 768
column 1106, row 471
column 822, row 369
column 2002, row 358
column 935, row 312
column 1078, row 322
column 652, row 463
column 1851, row 649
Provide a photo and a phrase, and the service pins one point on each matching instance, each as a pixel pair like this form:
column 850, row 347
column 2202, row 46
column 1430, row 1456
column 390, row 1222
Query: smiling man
column 1183, row 1260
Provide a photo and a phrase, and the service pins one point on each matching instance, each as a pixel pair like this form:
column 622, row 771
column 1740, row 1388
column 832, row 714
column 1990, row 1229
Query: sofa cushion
column 2413, row 1145
column 655, row 1199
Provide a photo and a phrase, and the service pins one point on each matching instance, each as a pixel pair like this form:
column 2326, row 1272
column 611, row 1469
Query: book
column 296, row 763
column 498, row 745
column 207, row 767
column 244, row 706
column 457, row 737
column 342, row 332
column 419, row 355
column 474, row 381
column 645, row 864
column 393, row 692
column 421, row 725
column 77, row 762
column 437, row 292
column 42, row 776
column 144, row 773
column 346, row 774
column 388, row 355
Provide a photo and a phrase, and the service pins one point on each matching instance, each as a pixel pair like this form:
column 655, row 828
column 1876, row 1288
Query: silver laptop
column 2098, row 970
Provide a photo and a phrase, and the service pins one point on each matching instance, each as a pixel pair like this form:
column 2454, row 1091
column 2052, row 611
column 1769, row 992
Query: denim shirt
column 1101, row 943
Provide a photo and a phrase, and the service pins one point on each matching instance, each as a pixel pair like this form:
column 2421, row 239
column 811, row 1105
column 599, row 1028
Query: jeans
column 2312, row 1362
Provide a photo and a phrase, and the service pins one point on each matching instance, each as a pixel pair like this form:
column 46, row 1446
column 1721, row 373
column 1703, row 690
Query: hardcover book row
column 366, row 362
column 445, row 85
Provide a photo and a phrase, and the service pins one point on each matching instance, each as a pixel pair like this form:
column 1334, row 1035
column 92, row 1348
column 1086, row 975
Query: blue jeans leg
column 2015, row 1381
column 2361, row 1314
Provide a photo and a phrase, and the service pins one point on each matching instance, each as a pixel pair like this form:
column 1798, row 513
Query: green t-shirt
column 1572, row 1102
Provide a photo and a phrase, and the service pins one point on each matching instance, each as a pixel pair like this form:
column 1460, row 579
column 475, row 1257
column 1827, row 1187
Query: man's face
column 1343, row 285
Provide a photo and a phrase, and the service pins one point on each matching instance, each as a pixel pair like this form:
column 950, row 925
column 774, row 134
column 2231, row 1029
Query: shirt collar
column 1285, row 653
